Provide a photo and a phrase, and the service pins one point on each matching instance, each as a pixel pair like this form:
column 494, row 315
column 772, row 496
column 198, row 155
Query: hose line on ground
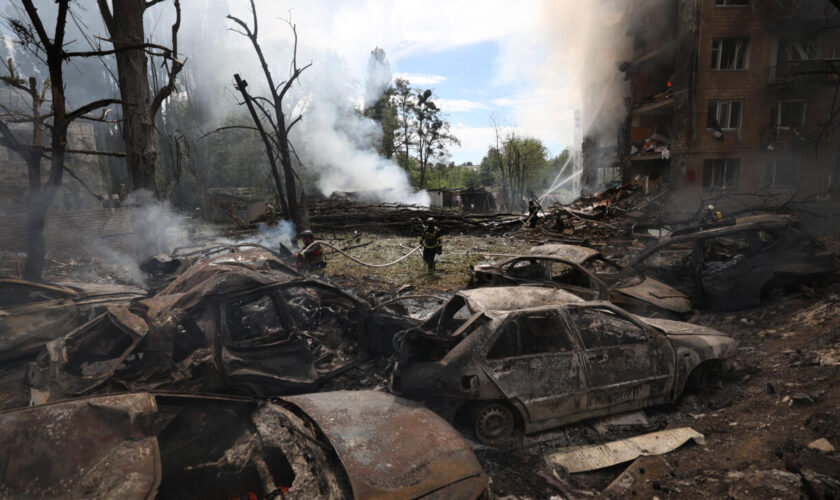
column 368, row 264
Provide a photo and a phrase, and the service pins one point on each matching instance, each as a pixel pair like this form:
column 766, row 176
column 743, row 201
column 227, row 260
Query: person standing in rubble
column 270, row 215
column 710, row 217
column 533, row 209
column 310, row 259
column 432, row 244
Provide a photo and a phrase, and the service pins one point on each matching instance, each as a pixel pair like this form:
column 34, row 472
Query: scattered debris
column 586, row 458
column 821, row 444
column 328, row 445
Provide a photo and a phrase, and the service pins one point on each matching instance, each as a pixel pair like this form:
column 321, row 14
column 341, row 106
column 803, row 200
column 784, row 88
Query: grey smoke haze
column 335, row 144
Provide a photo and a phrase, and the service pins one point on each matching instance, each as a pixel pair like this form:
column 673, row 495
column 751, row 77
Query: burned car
column 575, row 268
column 541, row 367
column 337, row 445
column 32, row 314
column 737, row 265
column 225, row 324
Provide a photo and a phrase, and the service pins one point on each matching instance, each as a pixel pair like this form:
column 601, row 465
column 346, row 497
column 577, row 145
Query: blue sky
column 493, row 56
column 464, row 80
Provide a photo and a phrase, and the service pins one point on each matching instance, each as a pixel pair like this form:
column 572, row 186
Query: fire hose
column 368, row 264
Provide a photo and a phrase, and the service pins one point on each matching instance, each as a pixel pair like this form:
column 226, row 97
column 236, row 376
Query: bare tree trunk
column 126, row 29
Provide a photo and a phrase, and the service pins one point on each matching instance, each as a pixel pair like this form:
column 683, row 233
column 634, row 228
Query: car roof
column 573, row 253
column 509, row 298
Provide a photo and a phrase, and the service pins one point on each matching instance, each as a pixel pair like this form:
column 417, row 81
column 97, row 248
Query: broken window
column 724, row 252
column 532, row 269
column 786, row 114
column 603, row 328
column 568, row 275
column 539, row 333
column 724, row 114
column 253, row 318
column 732, row 3
column 780, row 173
column 730, row 53
column 765, row 239
column 721, row 174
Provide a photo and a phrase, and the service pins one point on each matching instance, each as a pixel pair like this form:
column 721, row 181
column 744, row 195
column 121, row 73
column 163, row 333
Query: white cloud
column 421, row 79
column 460, row 105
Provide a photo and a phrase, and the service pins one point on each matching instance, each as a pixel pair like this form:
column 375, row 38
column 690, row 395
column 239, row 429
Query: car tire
column 493, row 422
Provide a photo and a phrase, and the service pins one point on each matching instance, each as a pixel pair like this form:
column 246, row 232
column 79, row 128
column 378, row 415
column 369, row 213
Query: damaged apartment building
column 733, row 102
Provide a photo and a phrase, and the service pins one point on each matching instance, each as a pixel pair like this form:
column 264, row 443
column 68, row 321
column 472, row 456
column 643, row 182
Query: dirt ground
column 757, row 422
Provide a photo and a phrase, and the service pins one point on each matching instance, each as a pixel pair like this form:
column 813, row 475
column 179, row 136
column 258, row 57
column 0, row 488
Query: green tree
column 383, row 110
column 432, row 133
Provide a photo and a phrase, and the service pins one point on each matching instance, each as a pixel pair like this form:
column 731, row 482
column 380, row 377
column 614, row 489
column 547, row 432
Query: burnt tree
column 126, row 29
column 271, row 109
column 51, row 49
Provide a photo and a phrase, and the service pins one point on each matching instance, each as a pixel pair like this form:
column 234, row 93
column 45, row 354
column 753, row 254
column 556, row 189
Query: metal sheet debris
column 587, row 458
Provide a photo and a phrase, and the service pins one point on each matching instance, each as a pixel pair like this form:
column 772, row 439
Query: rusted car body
column 575, row 268
column 32, row 314
column 337, row 445
column 547, row 366
column 232, row 323
column 736, row 265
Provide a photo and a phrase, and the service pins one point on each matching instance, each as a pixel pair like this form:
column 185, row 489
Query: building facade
column 733, row 102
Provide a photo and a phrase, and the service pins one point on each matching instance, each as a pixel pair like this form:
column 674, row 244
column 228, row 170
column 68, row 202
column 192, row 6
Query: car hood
column 369, row 431
column 658, row 294
column 709, row 342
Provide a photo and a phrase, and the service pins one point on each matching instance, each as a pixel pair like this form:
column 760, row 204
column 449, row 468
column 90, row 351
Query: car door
column 731, row 271
column 625, row 362
column 258, row 347
column 535, row 360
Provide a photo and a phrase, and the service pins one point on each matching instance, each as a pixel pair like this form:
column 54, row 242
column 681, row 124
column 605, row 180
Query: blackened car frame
column 734, row 266
column 541, row 367
column 575, row 269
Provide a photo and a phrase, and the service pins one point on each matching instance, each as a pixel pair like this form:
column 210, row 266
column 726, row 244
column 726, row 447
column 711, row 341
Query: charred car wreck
column 32, row 314
column 737, row 265
column 233, row 323
column 541, row 367
column 587, row 274
column 336, row 445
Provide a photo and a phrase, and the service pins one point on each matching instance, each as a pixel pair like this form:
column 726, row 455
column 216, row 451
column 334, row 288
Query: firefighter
column 432, row 244
column 710, row 217
column 313, row 258
column 269, row 214
column 533, row 209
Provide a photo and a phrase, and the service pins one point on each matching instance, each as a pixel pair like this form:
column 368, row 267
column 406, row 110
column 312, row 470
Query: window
column 730, row 53
column 603, row 328
column 780, row 173
column 721, row 174
column 732, row 3
column 786, row 114
column 536, row 334
column 527, row 269
column 721, row 253
column 724, row 114
column 253, row 318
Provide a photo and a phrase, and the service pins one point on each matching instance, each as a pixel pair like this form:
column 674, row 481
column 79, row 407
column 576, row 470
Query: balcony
column 808, row 72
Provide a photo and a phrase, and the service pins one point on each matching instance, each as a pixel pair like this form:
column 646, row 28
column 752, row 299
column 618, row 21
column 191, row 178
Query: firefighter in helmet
column 432, row 244
column 310, row 259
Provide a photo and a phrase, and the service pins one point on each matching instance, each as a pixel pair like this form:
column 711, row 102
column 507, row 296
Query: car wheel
column 493, row 422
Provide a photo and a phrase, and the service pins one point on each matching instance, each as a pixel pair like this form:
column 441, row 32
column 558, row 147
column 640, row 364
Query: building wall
column 754, row 143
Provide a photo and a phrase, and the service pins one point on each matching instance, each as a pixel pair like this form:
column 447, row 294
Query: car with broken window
column 346, row 444
column 550, row 365
column 32, row 314
column 227, row 324
column 733, row 266
column 586, row 273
